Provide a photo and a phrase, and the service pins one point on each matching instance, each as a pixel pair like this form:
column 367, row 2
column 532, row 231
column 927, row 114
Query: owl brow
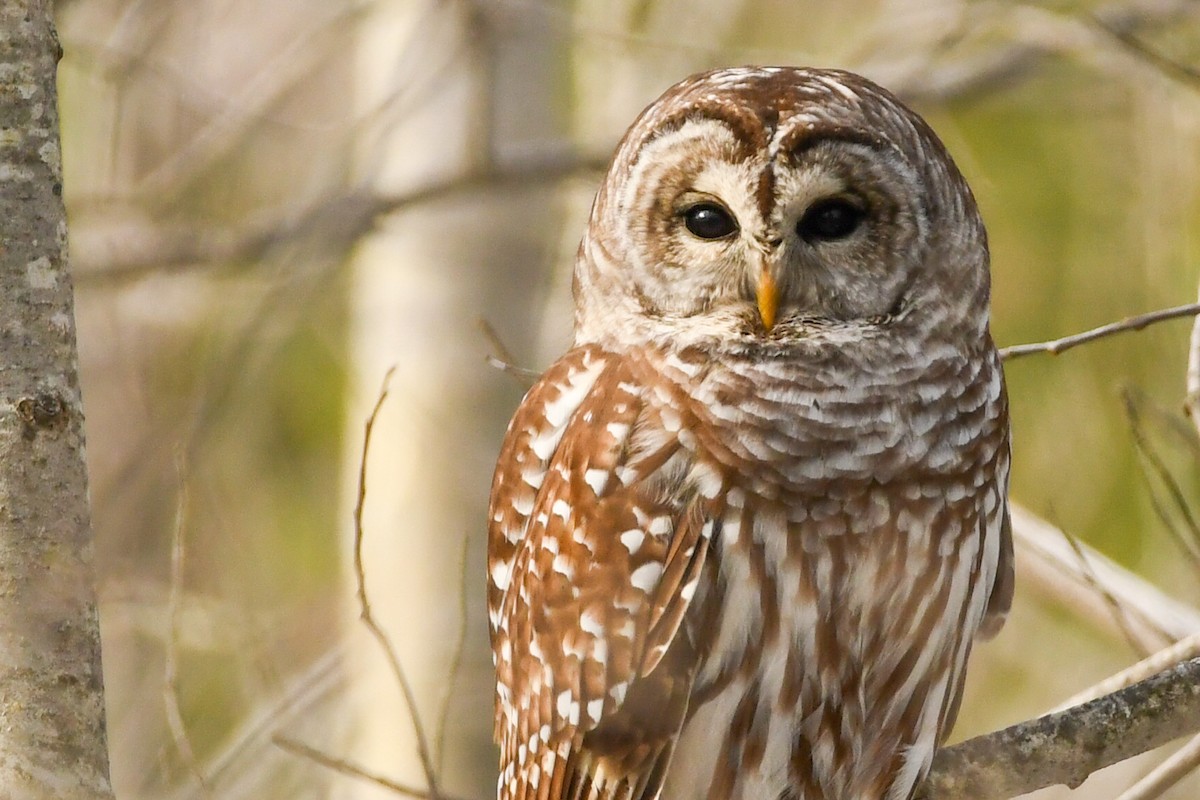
column 746, row 128
column 800, row 140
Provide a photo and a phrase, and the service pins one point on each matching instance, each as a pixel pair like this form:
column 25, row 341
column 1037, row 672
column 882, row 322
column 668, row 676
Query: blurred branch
column 1120, row 615
column 353, row 770
column 1068, row 746
column 1168, row 66
column 281, row 72
column 1166, row 774
column 1032, row 34
column 366, row 615
column 1136, row 323
column 140, row 250
column 237, row 769
column 1048, row 563
column 170, row 689
column 1182, row 527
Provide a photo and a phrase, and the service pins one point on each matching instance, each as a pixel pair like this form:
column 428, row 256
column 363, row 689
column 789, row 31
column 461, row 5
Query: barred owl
column 743, row 533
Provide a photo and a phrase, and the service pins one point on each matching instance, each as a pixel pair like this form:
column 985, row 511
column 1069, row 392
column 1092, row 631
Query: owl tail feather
column 564, row 773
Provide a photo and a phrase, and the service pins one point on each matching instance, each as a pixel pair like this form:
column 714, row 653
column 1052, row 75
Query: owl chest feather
column 768, row 596
column 840, row 582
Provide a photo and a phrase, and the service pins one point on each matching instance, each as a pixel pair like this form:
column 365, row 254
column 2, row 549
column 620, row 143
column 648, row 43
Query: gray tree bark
column 52, row 735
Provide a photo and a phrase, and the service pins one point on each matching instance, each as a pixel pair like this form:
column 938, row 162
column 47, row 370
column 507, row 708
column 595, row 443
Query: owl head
column 778, row 207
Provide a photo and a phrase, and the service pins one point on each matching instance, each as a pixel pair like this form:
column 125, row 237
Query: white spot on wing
column 501, row 572
column 589, row 622
column 563, row 566
column 632, row 539
column 646, row 576
column 597, row 479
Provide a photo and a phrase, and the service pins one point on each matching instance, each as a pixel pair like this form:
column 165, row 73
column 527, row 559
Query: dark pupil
column 709, row 221
column 832, row 219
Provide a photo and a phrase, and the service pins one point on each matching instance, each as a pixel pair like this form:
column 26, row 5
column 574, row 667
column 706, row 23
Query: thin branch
column 1187, row 538
column 1119, row 613
column 1136, row 323
column 456, row 659
column 344, row 767
column 1068, row 746
column 1167, row 774
column 179, row 733
column 365, row 614
column 502, row 359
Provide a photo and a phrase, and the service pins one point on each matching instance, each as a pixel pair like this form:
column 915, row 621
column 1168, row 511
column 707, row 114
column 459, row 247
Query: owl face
column 774, row 205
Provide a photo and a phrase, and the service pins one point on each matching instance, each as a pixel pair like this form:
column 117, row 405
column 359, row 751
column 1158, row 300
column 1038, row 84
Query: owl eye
column 830, row 220
column 709, row 221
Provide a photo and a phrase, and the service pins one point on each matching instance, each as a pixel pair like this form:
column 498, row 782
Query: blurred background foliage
column 273, row 202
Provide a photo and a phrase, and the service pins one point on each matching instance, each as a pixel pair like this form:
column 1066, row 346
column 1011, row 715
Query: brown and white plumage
column 743, row 533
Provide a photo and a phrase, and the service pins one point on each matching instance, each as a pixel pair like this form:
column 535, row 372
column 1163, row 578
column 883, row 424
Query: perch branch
column 1068, row 746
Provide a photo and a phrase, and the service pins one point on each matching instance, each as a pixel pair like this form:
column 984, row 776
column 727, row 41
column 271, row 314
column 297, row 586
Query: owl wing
column 595, row 551
column 995, row 568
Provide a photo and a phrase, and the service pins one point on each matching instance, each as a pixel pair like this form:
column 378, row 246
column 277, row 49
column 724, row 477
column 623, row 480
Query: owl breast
column 852, row 554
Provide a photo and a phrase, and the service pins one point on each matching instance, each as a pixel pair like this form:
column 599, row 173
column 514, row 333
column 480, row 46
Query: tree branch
column 368, row 617
column 1068, row 746
column 1136, row 323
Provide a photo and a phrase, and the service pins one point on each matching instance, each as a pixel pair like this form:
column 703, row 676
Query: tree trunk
column 52, row 737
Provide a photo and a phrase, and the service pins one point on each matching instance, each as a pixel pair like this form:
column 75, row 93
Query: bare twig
column 1166, row 774
column 456, row 658
column 1187, row 535
column 1136, row 323
column 344, row 767
column 365, row 614
column 502, row 359
column 1068, row 746
column 1119, row 613
column 179, row 734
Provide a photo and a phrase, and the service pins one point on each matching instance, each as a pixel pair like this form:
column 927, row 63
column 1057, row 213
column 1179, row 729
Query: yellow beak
column 768, row 299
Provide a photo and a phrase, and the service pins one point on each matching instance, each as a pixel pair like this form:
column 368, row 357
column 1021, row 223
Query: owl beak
column 768, row 299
